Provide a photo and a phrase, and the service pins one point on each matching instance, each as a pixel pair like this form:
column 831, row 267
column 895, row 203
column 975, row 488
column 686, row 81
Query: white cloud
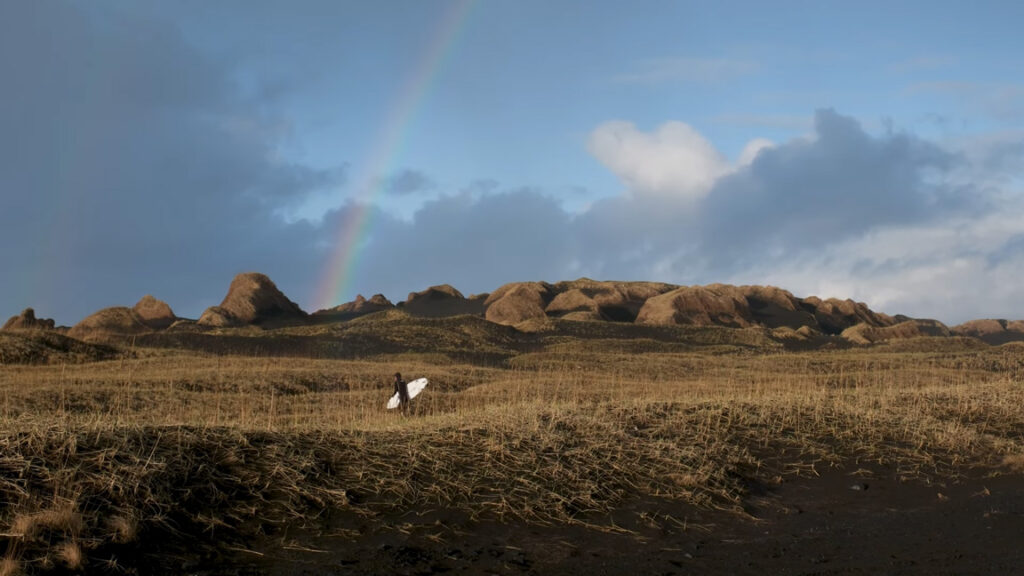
column 673, row 160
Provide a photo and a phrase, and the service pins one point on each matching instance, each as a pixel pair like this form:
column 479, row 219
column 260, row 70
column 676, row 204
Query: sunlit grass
column 96, row 454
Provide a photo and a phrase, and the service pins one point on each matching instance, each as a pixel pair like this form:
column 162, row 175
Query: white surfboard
column 415, row 387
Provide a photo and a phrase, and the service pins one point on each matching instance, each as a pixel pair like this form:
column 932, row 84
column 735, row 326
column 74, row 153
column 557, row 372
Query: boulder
column 518, row 302
column 252, row 298
column 714, row 305
column 154, row 313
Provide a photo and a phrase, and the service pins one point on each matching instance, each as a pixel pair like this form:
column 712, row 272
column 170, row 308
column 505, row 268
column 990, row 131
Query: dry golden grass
column 9, row 567
column 71, row 555
column 101, row 455
column 63, row 520
column 1014, row 462
column 123, row 529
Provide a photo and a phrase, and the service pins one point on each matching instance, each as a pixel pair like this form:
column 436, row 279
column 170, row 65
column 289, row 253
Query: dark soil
column 842, row 522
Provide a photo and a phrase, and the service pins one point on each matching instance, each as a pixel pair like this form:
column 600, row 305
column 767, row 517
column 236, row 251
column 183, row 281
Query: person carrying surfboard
column 405, row 392
column 402, row 389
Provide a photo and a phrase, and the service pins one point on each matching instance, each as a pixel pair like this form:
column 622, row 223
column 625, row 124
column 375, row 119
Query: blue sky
column 864, row 150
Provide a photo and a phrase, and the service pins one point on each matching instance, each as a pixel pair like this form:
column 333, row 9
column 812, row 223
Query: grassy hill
column 181, row 446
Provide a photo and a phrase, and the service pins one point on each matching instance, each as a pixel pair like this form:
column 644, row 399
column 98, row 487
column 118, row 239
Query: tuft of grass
column 1015, row 462
column 71, row 555
column 123, row 528
column 62, row 520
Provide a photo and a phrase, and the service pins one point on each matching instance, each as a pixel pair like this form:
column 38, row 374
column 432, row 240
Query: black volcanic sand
column 842, row 522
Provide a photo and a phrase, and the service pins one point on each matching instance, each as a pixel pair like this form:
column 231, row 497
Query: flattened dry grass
column 102, row 457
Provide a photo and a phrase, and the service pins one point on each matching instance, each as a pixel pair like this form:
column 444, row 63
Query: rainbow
column 343, row 261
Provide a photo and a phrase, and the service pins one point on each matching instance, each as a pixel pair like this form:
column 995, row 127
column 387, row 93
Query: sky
column 868, row 150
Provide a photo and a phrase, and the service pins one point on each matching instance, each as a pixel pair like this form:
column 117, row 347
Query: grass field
column 102, row 459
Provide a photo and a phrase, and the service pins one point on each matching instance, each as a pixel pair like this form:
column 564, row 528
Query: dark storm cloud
column 1005, row 157
column 474, row 243
column 130, row 164
column 844, row 182
column 628, row 236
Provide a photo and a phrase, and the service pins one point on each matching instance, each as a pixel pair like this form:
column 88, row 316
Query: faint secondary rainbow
column 343, row 261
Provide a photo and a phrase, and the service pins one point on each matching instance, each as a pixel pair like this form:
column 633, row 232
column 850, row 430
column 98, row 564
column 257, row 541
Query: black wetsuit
column 402, row 389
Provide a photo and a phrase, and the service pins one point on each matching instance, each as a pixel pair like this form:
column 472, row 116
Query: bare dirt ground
column 863, row 521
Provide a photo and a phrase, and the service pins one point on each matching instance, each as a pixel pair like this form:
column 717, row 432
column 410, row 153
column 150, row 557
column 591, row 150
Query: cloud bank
column 891, row 219
column 130, row 164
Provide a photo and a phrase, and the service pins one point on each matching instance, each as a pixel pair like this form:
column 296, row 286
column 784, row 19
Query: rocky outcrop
column 834, row 316
column 148, row 315
column 518, row 302
column 767, row 306
column 108, row 323
column 574, row 304
column 27, row 321
column 154, row 313
column 714, row 305
column 441, row 301
column 914, row 328
column 586, row 299
column 254, row 299
column 992, row 331
column 774, row 307
column 358, row 307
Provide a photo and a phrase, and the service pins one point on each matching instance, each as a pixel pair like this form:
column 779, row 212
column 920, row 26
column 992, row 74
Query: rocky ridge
column 254, row 300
